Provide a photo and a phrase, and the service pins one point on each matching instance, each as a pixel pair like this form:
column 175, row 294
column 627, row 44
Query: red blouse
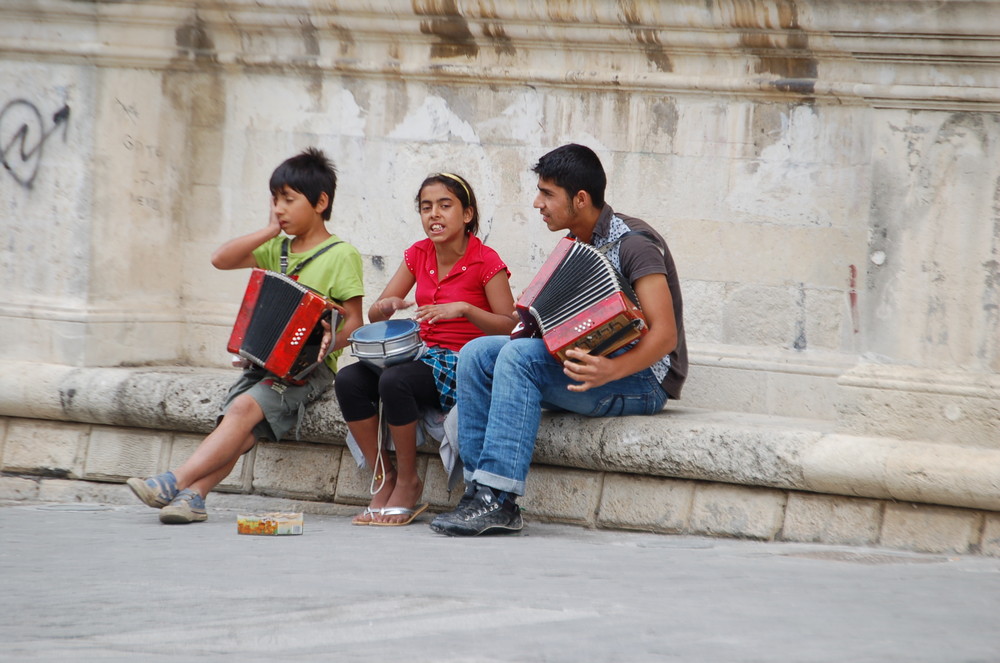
column 465, row 283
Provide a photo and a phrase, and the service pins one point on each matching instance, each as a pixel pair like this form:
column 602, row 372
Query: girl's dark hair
column 462, row 190
column 574, row 168
column 310, row 173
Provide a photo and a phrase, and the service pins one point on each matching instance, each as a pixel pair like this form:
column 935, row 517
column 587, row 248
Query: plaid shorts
column 443, row 361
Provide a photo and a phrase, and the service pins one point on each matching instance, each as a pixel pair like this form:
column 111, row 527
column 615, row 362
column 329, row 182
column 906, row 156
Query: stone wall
column 824, row 171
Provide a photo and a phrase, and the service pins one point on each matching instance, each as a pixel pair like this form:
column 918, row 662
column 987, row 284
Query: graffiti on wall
column 23, row 134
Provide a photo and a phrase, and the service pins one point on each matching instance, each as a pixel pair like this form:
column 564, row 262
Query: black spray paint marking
column 22, row 126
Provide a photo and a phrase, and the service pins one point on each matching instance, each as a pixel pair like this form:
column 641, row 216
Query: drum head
column 385, row 330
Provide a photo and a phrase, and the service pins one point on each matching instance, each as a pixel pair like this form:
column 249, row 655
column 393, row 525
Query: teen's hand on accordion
column 660, row 340
column 587, row 369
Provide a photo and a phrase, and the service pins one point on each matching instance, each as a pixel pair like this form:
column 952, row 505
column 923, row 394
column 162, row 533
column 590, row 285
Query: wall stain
column 310, row 38
column 449, row 26
column 665, row 112
column 784, row 54
column 66, row 397
column 503, row 44
column 647, row 38
column 193, row 40
column 800, row 322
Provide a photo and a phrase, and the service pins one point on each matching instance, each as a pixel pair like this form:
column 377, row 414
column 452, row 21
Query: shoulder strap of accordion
column 284, row 255
column 298, row 267
column 610, row 245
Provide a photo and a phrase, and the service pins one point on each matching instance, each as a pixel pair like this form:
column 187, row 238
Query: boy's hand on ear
column 272, row 222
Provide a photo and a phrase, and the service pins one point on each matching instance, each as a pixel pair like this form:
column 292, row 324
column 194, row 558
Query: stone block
column 45, row 448
column 120, row 453
column 226, row 506
column 353, row 482
column 649, row 503
column 561, row 494
column 323, row 421
column 703, row 318
column 930, row 528
column 303, row 471
column 725, row 387
column 759, row 315
column 827, row 318
column 567, row 440
column 436, row 486
column 801, row 395
column 743, row 449
column 831, row 519
column 237, row 480
column 88, row 492
column 17, row 489
column 990, row 542
column 921, row 404
column 191, row 402
column 723, row 510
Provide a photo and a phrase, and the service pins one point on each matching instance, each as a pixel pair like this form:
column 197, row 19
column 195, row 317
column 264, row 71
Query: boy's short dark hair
column 310, row 173
column 574, row 168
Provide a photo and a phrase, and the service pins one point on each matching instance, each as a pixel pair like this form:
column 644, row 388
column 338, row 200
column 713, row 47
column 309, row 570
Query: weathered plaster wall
column 825, row 173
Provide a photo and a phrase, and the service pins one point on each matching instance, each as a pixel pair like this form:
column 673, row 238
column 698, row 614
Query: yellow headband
column 462, row 182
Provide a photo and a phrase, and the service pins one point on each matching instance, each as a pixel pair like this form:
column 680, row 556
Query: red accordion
column 278, row 326
column 579, row 300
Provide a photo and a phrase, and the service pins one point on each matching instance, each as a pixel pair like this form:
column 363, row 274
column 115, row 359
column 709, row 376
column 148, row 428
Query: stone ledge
column 605, row 500
column 721, row 447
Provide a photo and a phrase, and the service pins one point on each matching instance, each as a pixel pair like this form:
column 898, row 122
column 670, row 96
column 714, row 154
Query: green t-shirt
column 337, row 273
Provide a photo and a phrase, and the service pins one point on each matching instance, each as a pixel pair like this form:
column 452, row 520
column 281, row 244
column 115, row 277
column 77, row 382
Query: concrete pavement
column 88, row 582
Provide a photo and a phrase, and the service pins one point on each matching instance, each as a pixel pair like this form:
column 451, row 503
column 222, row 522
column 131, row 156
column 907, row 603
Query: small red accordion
column 579, row 300
column 278, row 326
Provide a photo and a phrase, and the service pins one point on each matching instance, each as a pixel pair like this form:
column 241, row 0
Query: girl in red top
column 462, row 292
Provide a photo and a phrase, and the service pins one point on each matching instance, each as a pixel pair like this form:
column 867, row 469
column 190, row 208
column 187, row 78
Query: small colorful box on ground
column 273, row 524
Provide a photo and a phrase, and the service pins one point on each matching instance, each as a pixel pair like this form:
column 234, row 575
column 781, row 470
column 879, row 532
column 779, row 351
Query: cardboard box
column 272, row 524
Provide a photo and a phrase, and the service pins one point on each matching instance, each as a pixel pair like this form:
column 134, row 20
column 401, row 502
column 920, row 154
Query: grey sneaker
column 482, row 515
column 157, row 491
column 187, row 507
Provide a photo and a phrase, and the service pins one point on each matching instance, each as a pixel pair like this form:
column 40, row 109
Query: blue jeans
column 503, row 385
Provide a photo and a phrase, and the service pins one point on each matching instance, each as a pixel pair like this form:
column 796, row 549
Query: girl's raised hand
column 389, row 305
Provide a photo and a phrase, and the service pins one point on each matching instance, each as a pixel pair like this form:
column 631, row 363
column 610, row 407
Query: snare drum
column 387, row 343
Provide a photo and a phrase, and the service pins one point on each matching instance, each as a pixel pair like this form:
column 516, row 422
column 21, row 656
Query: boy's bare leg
column 365, row 432
column 205, row 485
column 222, row 448
column 409, row 487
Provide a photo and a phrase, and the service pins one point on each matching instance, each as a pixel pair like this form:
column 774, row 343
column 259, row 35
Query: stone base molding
column 683, row 471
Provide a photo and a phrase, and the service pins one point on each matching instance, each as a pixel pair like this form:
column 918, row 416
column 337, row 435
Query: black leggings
column 404, row 389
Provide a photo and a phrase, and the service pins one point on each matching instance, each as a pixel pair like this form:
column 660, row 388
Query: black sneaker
column 482, row 515
column 467, row 498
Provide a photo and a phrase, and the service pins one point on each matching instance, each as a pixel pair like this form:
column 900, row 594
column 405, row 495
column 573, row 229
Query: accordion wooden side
column 578, row 300
column 278, row 325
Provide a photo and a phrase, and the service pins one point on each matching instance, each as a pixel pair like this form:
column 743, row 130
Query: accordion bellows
column 278, row 326
column 578, row 299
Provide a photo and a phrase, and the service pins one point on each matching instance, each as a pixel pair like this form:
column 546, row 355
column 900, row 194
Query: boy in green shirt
column 260, row 404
